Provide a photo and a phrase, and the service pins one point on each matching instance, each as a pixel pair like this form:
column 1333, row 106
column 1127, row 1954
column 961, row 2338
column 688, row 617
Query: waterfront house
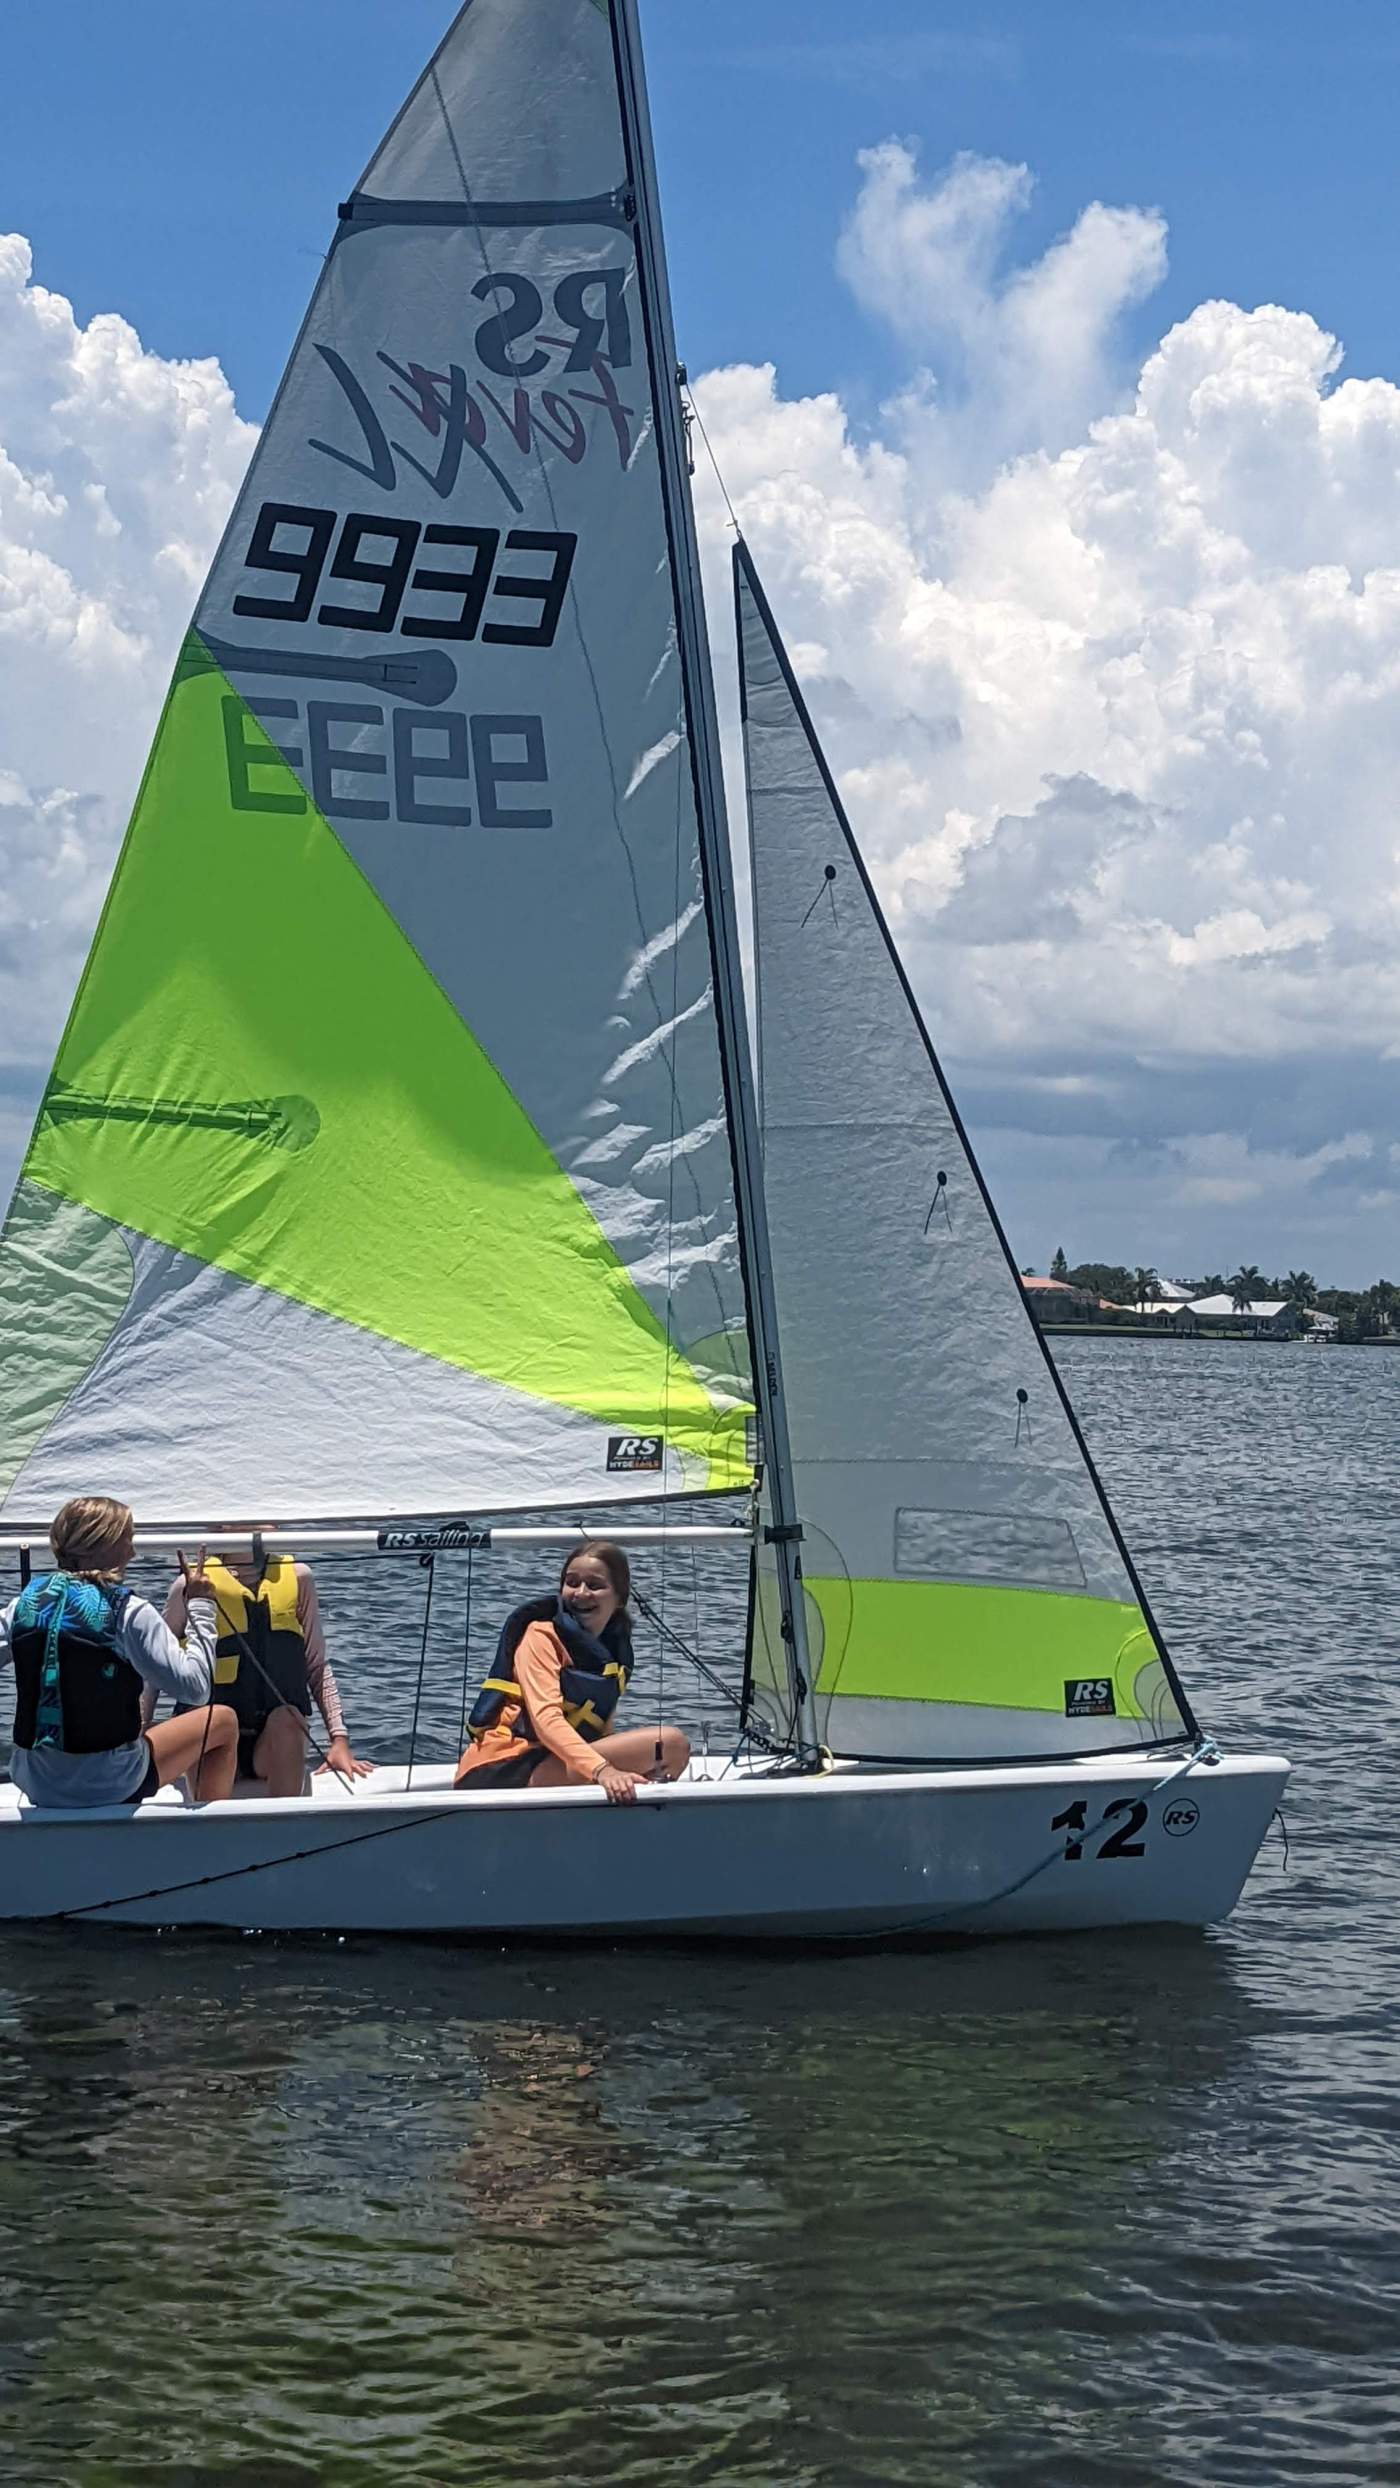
column 1174, row 1313
column 1054, row 1300
column 1267, row 1318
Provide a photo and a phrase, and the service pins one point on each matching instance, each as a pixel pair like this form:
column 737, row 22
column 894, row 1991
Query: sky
column 1052, row 362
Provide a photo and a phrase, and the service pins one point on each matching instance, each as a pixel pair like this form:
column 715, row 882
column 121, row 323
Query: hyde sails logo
column 1089, row 1697
column 541, row 375
column 636, row 1452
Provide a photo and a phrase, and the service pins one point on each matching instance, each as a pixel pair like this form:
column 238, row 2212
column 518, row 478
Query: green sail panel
column 873, row 1641
column 305, row 1109
column 968, row 1592
column 398, row 1025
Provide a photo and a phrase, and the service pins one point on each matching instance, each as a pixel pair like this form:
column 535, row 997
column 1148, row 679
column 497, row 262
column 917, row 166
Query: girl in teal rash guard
column 84, row 1649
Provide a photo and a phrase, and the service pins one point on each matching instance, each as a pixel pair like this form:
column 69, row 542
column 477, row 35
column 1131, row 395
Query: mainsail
column 385, row 1163
column 968, row 1592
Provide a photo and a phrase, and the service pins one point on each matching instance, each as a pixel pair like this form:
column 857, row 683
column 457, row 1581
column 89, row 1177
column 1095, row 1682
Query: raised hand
column 193, row 1575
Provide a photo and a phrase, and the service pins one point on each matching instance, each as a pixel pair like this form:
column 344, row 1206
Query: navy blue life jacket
column 76, row 1692
column 592, row 1680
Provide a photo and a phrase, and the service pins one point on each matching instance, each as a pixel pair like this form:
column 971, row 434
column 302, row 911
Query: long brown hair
column 87, row 1535
column 614, row 1564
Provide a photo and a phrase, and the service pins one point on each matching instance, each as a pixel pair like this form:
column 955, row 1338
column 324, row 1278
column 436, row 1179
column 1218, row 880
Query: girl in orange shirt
column 543, row 1717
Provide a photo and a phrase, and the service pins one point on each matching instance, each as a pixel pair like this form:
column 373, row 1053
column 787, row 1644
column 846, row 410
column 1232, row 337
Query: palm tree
column 1247, row 1283
column 1146, row 1287
column 1385, row 1298
column 1300, row 1288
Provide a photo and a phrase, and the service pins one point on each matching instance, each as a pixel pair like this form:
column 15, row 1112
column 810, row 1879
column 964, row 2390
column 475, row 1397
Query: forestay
column 968, row 1592
column 384, row 1165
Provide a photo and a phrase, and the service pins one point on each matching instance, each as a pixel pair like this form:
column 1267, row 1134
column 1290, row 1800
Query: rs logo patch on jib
column 636, row 1451
column 1086, row 1697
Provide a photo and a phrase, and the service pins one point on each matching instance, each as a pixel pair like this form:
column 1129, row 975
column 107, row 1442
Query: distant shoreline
column 1197, row 1338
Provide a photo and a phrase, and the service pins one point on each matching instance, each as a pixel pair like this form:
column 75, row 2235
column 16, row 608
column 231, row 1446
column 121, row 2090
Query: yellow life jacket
column 262, row 1614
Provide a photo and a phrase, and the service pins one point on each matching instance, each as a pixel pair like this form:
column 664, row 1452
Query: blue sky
column 1095, row 589
column 179, row 160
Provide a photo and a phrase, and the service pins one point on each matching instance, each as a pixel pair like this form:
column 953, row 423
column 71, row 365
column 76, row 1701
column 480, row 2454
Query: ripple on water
column 1068, row 2214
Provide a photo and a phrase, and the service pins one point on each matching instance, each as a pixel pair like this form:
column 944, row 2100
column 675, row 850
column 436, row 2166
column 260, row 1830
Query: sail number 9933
column 471, row 569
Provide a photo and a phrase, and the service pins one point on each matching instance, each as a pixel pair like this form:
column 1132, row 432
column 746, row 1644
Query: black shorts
column 512, row 1771
column 247, row 1743
column 150, row 1783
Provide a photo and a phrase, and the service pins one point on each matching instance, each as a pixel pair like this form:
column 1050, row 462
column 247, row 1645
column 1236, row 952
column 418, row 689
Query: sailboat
column 404, row 1158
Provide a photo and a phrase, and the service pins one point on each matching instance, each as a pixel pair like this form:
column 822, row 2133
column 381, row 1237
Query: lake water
column 1097, row 2210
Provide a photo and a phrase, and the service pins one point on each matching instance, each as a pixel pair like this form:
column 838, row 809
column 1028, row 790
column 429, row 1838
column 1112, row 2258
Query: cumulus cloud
column 1105, row 655
column 1114, row 709
column 117, row 470
column 1025, row 354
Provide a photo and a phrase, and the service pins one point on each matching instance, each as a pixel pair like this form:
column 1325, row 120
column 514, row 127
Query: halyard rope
column 427, row 1562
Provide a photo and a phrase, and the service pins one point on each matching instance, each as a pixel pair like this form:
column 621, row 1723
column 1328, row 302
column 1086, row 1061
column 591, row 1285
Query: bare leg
column 178, row 1744
column 634, row 1750
column 279, row 1756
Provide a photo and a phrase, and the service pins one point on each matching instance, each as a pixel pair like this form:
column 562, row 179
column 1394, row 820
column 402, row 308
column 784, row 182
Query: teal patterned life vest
column 76, row 1693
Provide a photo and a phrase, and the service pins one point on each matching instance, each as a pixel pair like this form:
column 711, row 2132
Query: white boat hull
column 724, row 1853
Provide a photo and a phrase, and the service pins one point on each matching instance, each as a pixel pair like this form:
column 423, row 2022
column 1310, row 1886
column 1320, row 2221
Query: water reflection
column 423, row 2209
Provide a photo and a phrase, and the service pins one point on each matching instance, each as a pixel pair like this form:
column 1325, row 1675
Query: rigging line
column 704, row 435
column 451, row 134
column 712, row 1677
column 466, row 1654
column 669, row 1357
column 1278, row 1816
column 702, row 1667
column 428, row 1562
column 1205, row 1750
column 694, row 1598
column 254, row 1866
column 644, row 933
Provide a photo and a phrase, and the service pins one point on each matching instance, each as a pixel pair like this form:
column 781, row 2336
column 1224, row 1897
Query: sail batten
column 969, row 1592
column 412, row 1143
column 610, row 208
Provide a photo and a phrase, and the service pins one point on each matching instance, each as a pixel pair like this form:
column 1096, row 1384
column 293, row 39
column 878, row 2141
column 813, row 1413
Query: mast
column 785, row 1532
